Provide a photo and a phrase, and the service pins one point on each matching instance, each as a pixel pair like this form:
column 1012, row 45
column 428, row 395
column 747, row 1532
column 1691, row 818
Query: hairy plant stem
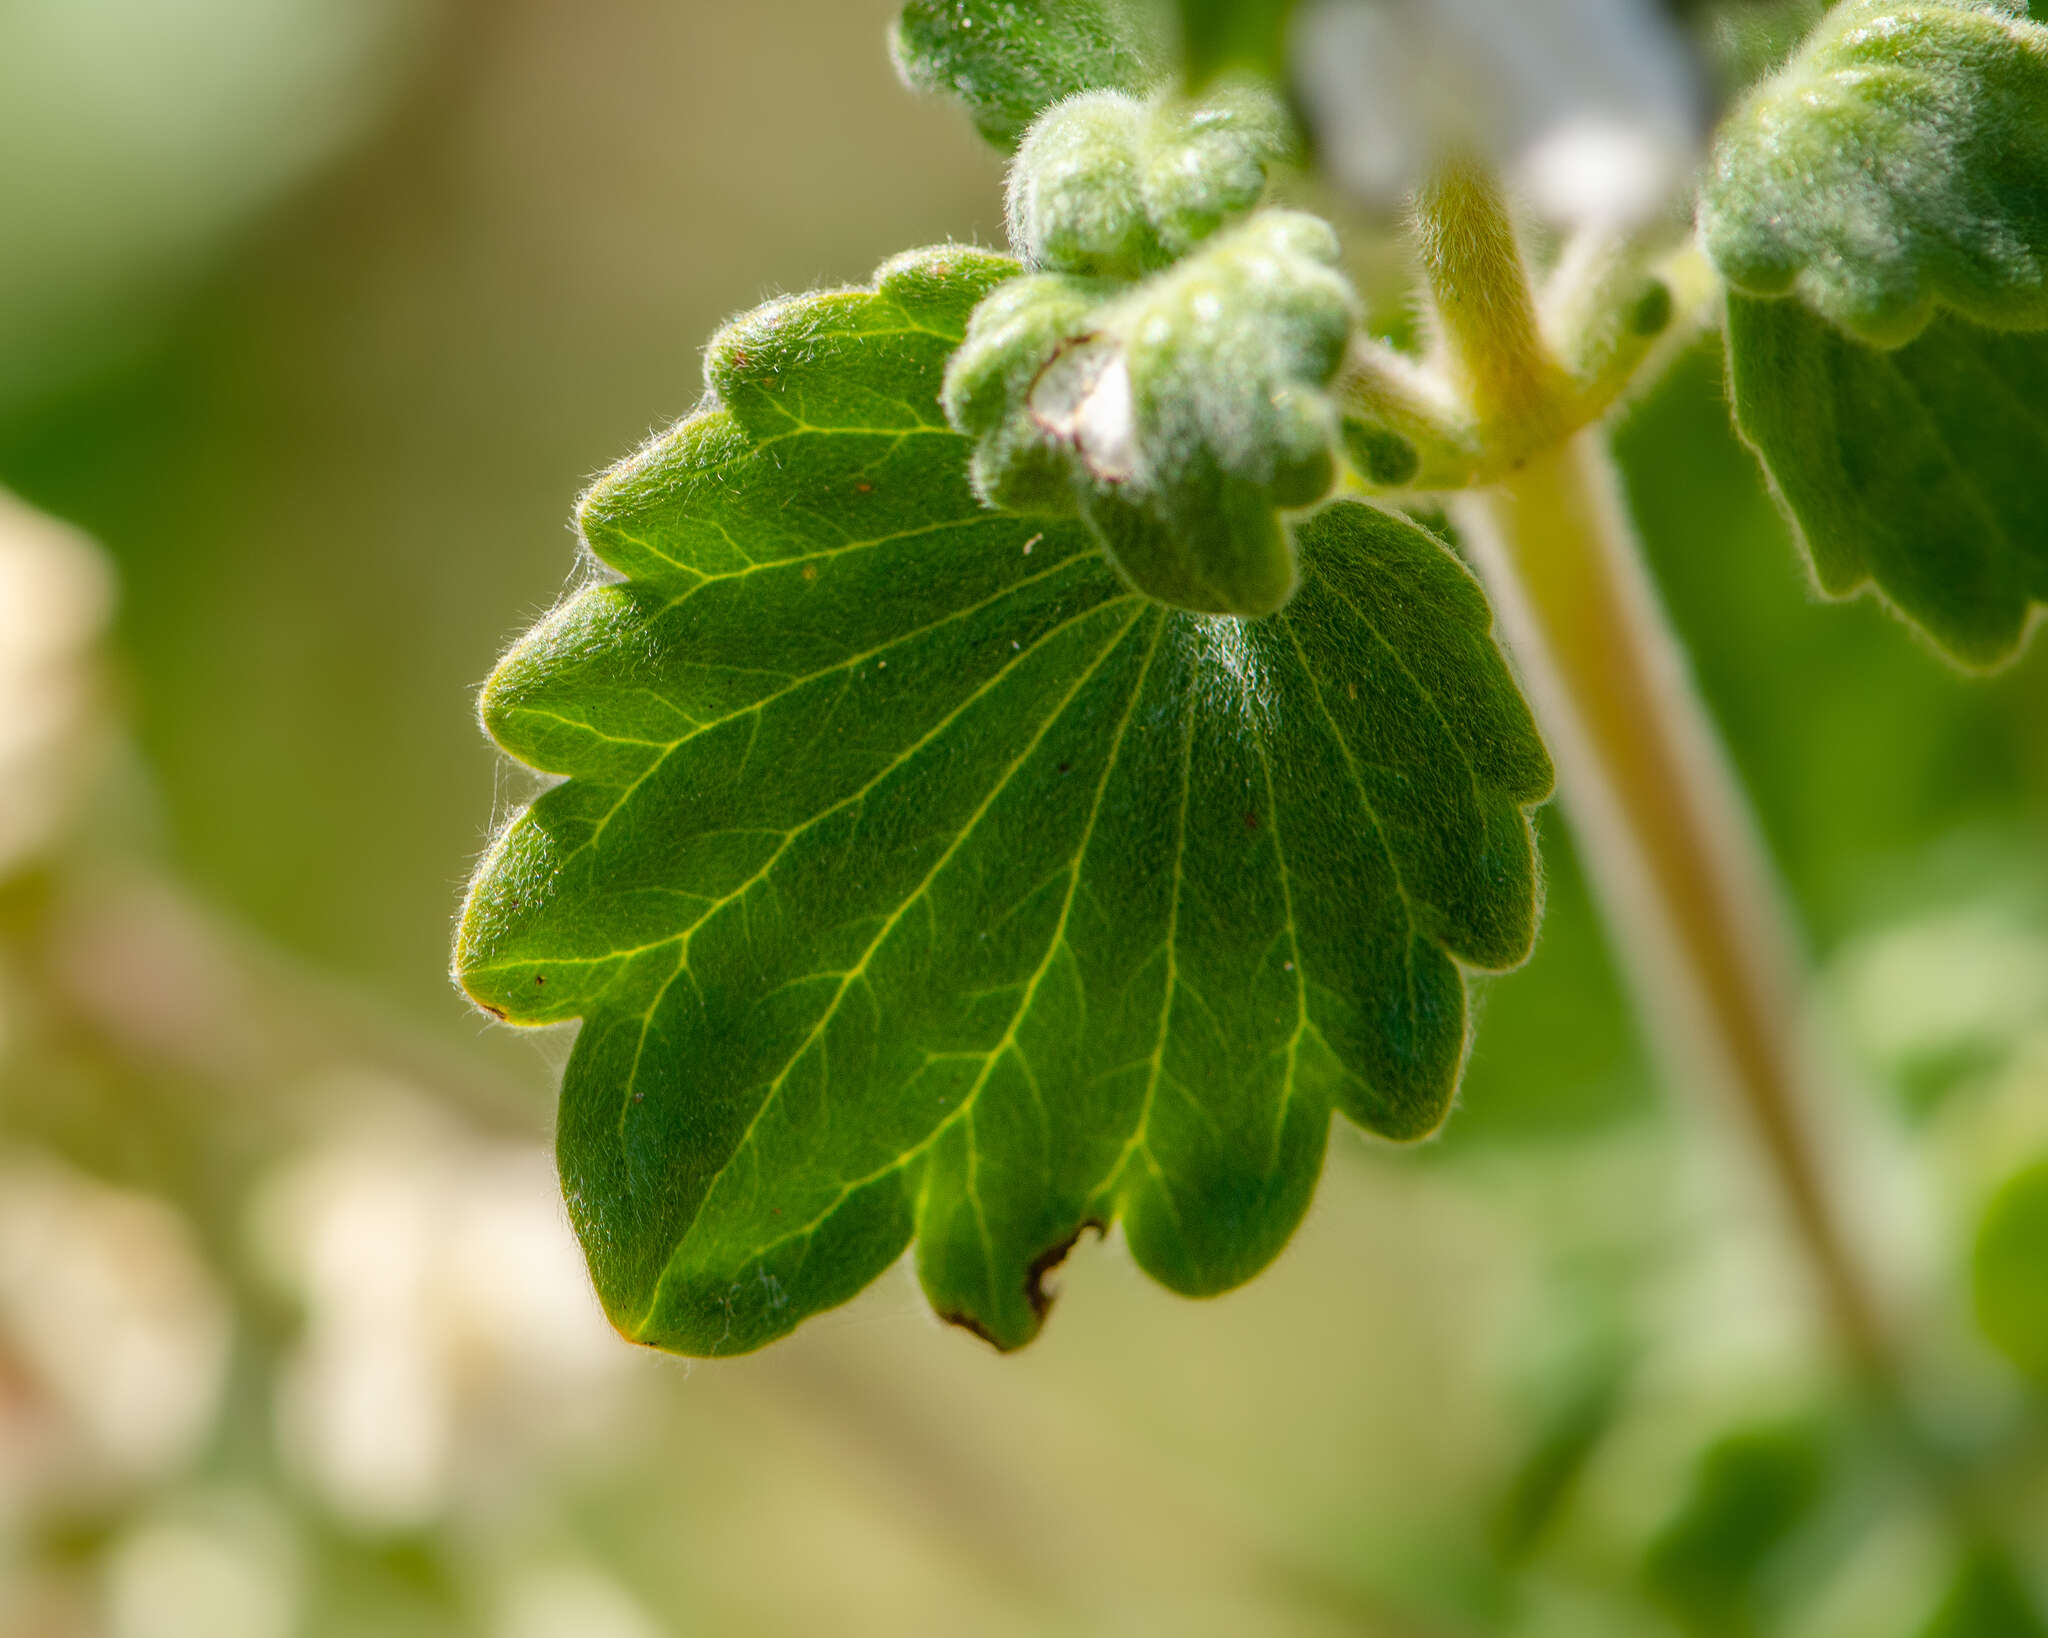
column 1674, row 859
column 1676, row 863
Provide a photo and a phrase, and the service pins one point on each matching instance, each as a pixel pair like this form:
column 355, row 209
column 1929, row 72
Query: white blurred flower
column 115, row 1330
column 56, row 597
column 451, row 1333
column 553, row 1601
column 1592, row 108
column 218, row 1566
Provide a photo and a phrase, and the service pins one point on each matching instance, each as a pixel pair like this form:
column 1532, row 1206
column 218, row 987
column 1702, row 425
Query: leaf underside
column 915, row 879
column 1918, row 470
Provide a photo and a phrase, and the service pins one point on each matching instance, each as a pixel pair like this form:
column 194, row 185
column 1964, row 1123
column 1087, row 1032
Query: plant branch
column 1511, row 374
column 1675, row 861
column 1489, row 338
column 1678, row 868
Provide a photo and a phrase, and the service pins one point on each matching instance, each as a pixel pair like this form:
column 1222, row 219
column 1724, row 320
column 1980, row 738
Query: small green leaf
column 1895, row 166
column 1752, row 1492
column 1009, row 60
column 1109, row 185
column 1548, row 1475
column 2010, row 1271
column 1185, row 411
column 1219, row 35
column 914, row 879
column 1916, row 470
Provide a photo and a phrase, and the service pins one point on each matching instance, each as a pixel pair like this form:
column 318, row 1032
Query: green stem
column 1489, row 339
column 1675, row 860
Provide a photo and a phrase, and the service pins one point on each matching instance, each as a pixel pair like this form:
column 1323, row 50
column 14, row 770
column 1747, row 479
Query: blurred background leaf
column 2011, row 1271
column 1248, row 35
column 1709, row 1566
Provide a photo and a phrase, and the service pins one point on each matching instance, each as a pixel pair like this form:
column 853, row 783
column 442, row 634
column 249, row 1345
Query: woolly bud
column 1180, row 415
column 1108, row 184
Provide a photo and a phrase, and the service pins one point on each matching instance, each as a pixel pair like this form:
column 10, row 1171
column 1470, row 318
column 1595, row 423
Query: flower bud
column 1107, row 184
column 1180, row 414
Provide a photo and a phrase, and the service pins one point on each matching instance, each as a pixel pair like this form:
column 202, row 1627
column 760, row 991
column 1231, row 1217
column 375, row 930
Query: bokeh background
column 315, row 315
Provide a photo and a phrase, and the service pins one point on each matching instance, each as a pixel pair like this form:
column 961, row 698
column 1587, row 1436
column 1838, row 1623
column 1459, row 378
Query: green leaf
column 1917, row 471
column 1895, row 166
column 1987, row 1599
column 915, row 879
column 1752, row 1492
column 1178, row 415
column 1219, row 35
column 2010, row 1271
column 1008, row 60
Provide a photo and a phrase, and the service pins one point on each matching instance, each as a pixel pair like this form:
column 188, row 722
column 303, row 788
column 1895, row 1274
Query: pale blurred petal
column 1593, row 107
column 451, row 1336
column 117, row 1325
column 56, row 597
column 225, row 1570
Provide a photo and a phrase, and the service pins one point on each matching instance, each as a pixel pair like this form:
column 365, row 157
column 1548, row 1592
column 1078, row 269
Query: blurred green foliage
column 1709, row 1565
column 1989, row 1599
column 1220, row 35
column 2010, row 1270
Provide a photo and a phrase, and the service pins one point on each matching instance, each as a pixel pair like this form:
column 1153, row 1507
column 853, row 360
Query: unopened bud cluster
column 1163, row 370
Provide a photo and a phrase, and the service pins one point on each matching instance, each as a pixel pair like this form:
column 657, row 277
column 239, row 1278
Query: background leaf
column 1219, row 35
column 1988, row 1599
column 2010, row 1271
column 1752, row 1492
column 1915, row 470
column 1007, row 60
column 913, row 877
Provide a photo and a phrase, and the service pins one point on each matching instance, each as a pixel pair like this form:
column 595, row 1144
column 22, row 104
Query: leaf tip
column 1039, row 1291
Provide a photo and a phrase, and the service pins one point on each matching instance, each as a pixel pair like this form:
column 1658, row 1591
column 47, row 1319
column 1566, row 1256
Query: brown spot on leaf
column 1035, row 1289
column 967, row 1322
column 1251, row 821
column 810, row 571
column 863, row 489
column 498, row 1013
column 1050, row 1259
